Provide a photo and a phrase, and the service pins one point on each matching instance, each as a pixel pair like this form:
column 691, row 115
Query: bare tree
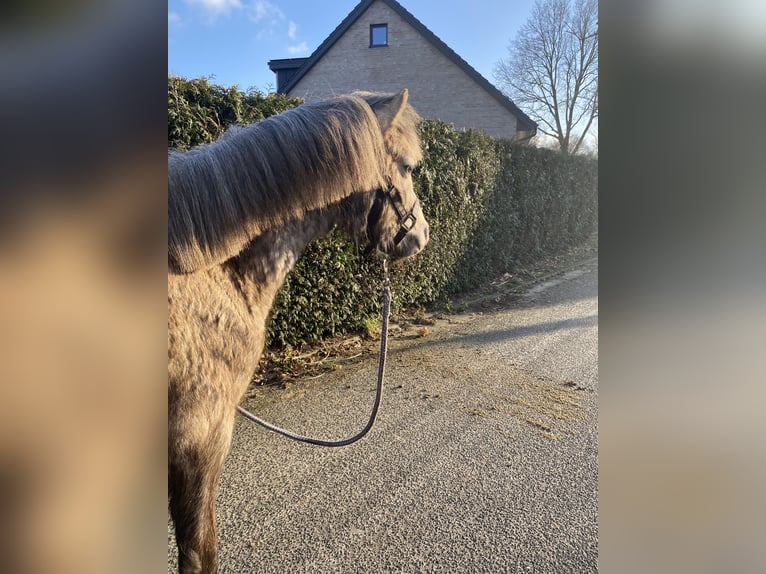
column 552, row 69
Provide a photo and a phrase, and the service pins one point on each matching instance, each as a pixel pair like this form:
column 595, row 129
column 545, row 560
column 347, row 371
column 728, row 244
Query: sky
column 231, row 41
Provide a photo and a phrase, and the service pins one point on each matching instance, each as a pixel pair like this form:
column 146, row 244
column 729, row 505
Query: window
column 378, row 35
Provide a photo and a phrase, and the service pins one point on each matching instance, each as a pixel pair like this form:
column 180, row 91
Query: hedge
column 199, row 112
column 491, row 204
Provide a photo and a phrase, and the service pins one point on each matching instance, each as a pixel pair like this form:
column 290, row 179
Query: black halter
column 406, row 219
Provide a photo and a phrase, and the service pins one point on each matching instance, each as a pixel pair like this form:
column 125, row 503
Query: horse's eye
column 408, row 168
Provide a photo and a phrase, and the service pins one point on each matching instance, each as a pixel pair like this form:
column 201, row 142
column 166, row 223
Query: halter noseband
column 406, row 219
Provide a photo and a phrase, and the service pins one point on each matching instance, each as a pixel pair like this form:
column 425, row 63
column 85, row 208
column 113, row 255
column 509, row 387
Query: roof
column 448, row 52
column 286, row 63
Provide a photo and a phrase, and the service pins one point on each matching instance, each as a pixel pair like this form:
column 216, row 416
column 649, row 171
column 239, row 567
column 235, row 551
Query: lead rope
column 378, row 392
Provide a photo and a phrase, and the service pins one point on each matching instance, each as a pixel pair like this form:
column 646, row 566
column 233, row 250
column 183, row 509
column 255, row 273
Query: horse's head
column 395, row 223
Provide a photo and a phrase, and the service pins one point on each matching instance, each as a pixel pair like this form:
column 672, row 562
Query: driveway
column 483, row 458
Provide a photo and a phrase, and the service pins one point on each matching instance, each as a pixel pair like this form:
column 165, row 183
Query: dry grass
column 552, row 408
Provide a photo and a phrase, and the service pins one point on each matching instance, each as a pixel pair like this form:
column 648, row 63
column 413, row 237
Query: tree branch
column 552, row 68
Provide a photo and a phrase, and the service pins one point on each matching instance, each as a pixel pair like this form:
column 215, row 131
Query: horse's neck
column 263, row 266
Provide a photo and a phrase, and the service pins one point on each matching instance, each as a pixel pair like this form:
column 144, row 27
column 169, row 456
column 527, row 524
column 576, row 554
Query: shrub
column 199, row 112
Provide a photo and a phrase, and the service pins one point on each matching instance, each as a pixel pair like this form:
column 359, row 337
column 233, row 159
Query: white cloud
column 216, row 7
column 263, row 9
column 269, row 18
column 292, row 30
column 174, row 18
column 301, row 48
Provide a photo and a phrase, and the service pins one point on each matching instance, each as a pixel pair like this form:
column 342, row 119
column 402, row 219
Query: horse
column 240, row 212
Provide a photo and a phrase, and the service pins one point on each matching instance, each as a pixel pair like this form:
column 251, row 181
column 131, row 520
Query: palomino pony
column 240, row 212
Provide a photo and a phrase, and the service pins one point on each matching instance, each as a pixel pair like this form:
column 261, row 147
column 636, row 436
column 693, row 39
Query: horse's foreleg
column 200, row 438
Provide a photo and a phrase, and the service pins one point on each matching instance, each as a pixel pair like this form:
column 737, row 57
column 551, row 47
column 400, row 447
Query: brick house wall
column 438, row 88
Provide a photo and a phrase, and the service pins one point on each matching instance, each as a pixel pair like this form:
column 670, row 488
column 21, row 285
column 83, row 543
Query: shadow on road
column 525, row 331
column 485, row 337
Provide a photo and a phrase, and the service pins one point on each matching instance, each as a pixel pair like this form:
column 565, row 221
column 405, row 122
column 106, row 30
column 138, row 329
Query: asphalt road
column 483, row 458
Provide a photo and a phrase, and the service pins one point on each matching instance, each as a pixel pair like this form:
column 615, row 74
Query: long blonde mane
column 223, row 194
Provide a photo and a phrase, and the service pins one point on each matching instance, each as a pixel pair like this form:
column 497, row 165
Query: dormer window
column 378, row 35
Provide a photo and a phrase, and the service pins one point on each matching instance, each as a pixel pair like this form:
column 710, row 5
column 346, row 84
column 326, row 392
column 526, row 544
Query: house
column 380, row 46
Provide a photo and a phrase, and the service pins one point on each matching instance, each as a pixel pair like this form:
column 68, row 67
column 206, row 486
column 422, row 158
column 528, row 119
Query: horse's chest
column 211, row 332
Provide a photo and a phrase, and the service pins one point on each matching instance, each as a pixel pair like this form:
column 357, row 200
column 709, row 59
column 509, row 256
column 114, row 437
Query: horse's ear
column 389, row 110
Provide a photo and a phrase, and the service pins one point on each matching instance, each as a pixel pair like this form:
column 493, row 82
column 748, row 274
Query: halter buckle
column 408, row 221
